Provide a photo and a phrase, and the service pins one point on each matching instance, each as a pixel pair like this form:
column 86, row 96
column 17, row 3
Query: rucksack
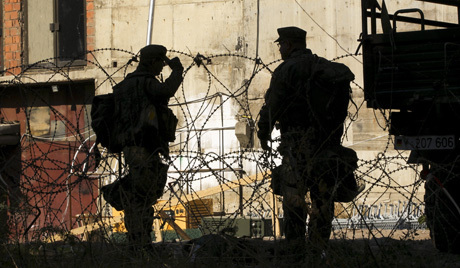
column 329, row 88
column 103, row 122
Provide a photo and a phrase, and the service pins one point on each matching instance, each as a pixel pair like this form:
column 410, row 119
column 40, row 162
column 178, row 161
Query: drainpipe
column 149, row 28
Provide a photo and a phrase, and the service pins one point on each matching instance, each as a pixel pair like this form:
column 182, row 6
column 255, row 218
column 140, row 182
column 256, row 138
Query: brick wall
column 90, row 27
column 12, row 40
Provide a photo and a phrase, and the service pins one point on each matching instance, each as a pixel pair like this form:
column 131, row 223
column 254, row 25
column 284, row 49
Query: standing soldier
column 308, row 129
column 144, row 127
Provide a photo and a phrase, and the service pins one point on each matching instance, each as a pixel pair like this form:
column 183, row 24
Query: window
column 56, row 29
column 56, row 111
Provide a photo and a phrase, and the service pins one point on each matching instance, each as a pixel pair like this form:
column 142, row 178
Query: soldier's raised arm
column 169, row 87
column 152, row 60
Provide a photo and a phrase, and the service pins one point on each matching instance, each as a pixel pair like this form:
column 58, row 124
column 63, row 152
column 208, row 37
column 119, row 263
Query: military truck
column 415, row 75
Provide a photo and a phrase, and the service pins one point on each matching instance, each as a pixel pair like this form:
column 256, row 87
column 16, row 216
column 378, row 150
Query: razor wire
column 51, row 187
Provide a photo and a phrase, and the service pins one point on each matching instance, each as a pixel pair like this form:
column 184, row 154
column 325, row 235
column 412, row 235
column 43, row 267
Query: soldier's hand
column 175, row 63
column 264, row 145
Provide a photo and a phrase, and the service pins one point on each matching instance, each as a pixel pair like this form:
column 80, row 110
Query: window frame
column 57, row 61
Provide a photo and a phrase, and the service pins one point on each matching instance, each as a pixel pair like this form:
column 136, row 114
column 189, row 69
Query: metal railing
column 400, row 215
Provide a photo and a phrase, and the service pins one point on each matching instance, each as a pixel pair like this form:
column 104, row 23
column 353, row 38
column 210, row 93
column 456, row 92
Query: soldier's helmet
column 291, row 33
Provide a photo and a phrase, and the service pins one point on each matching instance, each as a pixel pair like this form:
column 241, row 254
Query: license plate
column 425, row 142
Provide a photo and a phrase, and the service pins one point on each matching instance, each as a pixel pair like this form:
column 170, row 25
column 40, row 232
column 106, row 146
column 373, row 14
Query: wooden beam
column 156, row 229
column 171, row 222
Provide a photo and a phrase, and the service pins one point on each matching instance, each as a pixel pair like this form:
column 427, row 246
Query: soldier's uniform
column 142, row 145
column 304, row 138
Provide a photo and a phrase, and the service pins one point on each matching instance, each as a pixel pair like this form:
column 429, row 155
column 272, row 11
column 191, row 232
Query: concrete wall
column 246, row 28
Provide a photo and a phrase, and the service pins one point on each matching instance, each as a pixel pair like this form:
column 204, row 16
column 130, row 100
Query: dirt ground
column 347, row 248
column 396, row 248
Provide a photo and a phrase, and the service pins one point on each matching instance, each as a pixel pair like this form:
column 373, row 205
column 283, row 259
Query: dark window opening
column 71, row 37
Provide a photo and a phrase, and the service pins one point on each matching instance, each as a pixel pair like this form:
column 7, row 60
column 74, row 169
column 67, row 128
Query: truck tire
column 442, row 217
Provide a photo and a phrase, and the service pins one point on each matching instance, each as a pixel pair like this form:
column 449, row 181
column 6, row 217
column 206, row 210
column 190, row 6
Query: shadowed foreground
column 361, row 249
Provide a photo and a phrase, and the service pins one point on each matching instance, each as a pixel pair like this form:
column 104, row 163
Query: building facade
column 57, row 54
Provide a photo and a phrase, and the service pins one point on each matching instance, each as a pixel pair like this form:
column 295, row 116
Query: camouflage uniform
column 142, row 145
column 304, row 139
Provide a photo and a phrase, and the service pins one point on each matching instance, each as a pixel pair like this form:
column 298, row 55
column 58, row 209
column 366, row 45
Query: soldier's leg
column 149, row 189
column 321, row 215
column 138, row 222
column 293, row 191
column 139, row 211
column 295, row 213
column 142, row 168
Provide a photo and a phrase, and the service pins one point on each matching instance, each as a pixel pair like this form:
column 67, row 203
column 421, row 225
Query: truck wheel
column 442, row 217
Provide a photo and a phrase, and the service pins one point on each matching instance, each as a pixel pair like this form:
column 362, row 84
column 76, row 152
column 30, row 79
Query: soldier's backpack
column 103, row 122
column 329, row 88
